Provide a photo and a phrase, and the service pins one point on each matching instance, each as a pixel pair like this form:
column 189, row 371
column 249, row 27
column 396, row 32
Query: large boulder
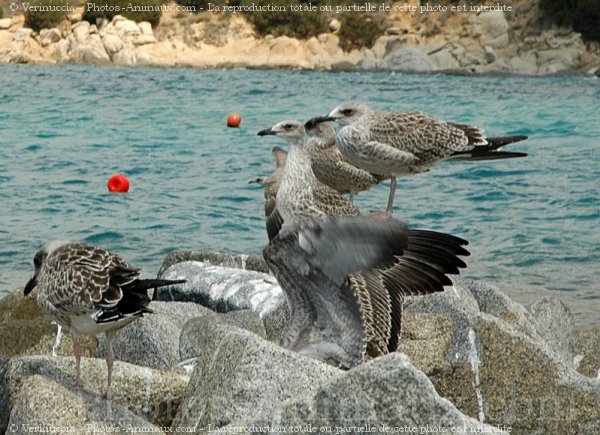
column 492, row 29
column 587, row 352
column 241, row 377
column 409, row 59
column 44, row 403
column 152, row 394
column 221, row 288
column 26, row 330
column 556, row 325
column 249, row 262
column 491, row 360
column 153, row 340
column 387, row 395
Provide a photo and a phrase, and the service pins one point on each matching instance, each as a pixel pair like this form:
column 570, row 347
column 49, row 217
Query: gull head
column 349, row 113
column 289, row 130
column 38, row 261
column 317, row 127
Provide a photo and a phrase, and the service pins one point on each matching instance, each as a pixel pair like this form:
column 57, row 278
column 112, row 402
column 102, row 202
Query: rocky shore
column 488, row 42
column 207, row 361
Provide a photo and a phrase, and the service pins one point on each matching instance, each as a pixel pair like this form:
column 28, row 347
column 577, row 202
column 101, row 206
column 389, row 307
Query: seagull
column 345, row 280
column 87, row 290
column 329, row 166
column 274, row 221
column 401, row 143
column 301, row 196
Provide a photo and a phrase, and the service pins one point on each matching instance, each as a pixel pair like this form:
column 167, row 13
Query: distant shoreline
column 467, row 44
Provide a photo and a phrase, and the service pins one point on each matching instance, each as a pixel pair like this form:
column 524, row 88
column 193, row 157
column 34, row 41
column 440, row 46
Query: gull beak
column 259, row 180
column 267, row 132
column 30, row 285
column 311, row 123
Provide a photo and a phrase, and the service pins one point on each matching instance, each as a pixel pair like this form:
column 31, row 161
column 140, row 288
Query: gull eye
column 288, row 126
column 347, row 112
column 37, row 260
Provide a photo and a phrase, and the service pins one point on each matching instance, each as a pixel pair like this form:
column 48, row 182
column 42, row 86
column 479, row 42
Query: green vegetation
column 582, row 15
column 45, row 14
column 293, row 24
column 587, row 19
column 199, row 5
column 140, row 10
column 1, row 12
column 359, row 30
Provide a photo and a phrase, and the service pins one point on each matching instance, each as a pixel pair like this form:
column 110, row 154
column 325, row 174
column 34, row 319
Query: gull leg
column 387, row 214
column 390, row 205
column 77, row 353
column 110, row 357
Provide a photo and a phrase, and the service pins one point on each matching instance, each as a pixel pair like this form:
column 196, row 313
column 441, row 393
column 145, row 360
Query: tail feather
column 145, row 284
column 491, row 150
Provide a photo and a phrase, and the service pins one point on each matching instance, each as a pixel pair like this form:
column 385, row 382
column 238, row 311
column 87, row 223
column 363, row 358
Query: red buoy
column 118, row 183
column 234, row 120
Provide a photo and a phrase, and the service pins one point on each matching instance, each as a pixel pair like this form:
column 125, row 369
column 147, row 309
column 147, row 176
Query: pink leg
column 390, row 205
column 387, row 215
column 77, row 353
column 110, row 357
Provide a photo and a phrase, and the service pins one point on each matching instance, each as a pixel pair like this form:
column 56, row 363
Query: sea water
column 533, row 224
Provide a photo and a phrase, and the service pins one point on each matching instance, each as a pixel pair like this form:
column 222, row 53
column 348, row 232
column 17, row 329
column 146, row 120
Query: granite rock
column 152, row 394
column 249, row 262
column 556, row 325
column 386, row 393
column 44, row 403
column 587, row 352
column 491, row 361
column 192, row 339
column 409, row 59
column 221, row 288
column 244, row 377
column 153, row 340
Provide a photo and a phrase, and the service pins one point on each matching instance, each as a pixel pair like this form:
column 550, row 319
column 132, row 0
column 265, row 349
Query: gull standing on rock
column 401, row 143
column 345, row 280
column 301, row 196
column 271, row 184
column 88, row 290
column 329, row 166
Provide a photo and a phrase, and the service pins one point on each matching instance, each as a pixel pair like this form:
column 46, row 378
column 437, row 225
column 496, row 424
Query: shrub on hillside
column 586, row 19
column 45, row 14
column 135, row 10
column 359, row 30
column 582, row 15
column 199, row 5
column 288, row 23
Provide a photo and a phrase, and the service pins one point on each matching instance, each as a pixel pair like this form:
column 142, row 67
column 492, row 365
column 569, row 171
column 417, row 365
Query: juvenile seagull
column 329, row 166
column 401, row 143
column 274, row 221
column 345, row 280
column 301, row 196
column 87, row 290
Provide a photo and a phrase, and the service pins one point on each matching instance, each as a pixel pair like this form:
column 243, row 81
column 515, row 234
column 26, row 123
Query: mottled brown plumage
column 88, row 290
column 273, row 219
column 301, row 196
column 400, row 143
column 329, row 166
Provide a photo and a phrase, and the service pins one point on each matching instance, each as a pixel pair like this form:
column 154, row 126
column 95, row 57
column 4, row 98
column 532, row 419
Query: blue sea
column 533, row 224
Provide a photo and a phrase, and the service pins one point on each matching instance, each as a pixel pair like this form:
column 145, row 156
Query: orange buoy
column 118, row 183
column 234, row 120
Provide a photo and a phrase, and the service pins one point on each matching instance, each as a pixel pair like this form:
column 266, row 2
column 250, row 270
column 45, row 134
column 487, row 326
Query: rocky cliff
column 514, row 39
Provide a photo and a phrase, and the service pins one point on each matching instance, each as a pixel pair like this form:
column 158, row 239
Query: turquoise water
column 533, row 224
